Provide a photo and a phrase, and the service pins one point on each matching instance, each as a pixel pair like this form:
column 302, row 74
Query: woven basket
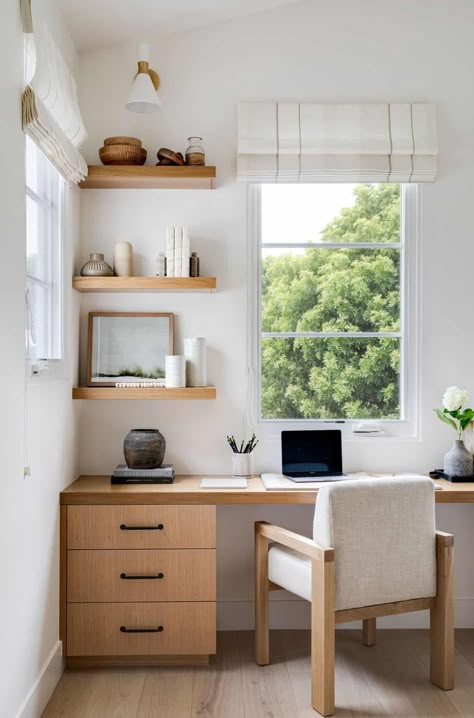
column 122, row 155
column 122, row 141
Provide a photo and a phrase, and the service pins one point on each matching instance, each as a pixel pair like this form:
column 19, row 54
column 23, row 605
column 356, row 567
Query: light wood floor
column 390, row 679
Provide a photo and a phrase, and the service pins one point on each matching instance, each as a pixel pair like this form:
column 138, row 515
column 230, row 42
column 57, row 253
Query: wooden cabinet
column 138, row 584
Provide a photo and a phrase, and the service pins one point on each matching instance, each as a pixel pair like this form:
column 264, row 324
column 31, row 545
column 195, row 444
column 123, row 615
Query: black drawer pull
column 129, row 578
column 124, row 527
column 124, row 629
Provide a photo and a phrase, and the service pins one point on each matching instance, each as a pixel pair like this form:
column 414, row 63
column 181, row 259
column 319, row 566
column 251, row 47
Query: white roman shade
column 50, row 109
column 307, row 142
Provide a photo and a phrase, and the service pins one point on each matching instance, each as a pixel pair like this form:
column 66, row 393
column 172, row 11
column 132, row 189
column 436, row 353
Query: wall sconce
column 143, row 95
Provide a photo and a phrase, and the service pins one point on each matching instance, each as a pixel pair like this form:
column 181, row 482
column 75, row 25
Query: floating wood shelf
column 143, row 284
column 106, row 392
column 136, row 177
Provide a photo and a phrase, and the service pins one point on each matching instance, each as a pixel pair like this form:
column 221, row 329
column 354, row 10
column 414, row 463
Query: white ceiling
column 98, row 23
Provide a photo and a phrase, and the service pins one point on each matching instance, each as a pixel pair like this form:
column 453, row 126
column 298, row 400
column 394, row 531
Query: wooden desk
column 185, row 490
column 164, row 535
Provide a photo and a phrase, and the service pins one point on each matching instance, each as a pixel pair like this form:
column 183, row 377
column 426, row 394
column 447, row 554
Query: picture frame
column 128, row 346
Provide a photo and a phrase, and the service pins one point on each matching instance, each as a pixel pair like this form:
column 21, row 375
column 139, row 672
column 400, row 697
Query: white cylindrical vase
column 196, row 361
column 175, row 366
column 123, row 259
column 242, row 464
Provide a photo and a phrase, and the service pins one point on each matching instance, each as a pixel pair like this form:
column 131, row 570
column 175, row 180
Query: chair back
column 383, row 531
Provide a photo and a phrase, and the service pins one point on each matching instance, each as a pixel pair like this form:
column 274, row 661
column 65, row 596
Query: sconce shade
column 143, row 96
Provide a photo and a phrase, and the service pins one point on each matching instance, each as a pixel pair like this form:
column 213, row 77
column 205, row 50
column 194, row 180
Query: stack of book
column 163, row 475
column 177, row 252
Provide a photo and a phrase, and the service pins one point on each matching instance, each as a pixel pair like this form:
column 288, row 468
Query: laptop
column 312, row 455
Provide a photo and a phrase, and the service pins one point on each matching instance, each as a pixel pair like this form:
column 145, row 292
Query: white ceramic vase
column 196, row 361
column 123, row 259
column 175, row 367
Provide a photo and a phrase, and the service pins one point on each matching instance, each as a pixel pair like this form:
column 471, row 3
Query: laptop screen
column 308, row 452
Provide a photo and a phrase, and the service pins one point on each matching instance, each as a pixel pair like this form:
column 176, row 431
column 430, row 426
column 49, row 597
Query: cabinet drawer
column 141, row 527
column 107, row 629
column 137, row 575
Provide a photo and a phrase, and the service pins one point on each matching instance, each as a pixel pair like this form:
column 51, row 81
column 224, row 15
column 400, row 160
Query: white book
column 178, row 244
column 186, row 253
column 170, row 239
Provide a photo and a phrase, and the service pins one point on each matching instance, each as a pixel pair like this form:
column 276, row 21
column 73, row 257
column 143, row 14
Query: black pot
column 144, row 449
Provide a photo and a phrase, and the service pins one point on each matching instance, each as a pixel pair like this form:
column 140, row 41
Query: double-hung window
column 44, row 257
column 336, row 312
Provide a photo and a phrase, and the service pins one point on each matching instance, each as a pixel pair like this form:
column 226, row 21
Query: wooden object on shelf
column 161, row 177
column 194, row 392
column 186, row 490
column 168, row 157
column 141, row 583
column 122, row 155
column 142, row 284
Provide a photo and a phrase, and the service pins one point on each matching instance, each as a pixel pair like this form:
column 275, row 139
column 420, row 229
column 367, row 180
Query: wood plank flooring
column 390, row 679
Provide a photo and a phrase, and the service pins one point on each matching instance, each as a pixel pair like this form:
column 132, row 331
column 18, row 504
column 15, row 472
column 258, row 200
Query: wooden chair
column 375, row 552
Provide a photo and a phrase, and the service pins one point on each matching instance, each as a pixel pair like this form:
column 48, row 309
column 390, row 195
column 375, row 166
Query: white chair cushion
column 383, row 531
column 291, row 570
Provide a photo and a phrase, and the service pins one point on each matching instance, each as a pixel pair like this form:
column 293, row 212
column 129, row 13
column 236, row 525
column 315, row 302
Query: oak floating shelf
column 106, row 392
column 143, row 284
column 146, row 177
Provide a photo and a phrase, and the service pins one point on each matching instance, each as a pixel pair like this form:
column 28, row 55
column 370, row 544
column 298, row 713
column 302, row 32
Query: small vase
column 123, row 259
column 96, row 267
column 195, row 152
column 458, row 461
column 196, row 368
column 242, row 465
column 144, row 449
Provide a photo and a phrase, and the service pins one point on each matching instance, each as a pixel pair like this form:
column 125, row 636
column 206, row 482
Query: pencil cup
column 242, row 464
column 175, row 367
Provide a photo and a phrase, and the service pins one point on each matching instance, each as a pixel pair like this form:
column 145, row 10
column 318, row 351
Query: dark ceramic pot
column 144, row 449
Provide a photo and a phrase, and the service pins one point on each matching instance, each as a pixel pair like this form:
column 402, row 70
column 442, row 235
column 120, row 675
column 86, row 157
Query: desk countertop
column 186, row 490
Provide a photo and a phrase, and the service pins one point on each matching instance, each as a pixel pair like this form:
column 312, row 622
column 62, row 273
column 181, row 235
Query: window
column 43, row 257
column 336, row 312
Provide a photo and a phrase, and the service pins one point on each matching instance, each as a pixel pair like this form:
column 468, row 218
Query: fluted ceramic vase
column 458, row 462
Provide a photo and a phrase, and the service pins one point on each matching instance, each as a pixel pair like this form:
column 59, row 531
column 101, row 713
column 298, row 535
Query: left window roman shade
column 50, row 109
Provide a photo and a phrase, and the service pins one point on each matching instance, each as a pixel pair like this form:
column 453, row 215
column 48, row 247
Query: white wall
column 29, row 538
column 411, row 50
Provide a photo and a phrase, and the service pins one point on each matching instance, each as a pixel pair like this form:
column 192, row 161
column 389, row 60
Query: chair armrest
column 295, row 541
column 444, row 539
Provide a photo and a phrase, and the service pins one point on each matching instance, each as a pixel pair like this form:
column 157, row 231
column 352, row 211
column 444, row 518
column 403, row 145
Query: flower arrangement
column 453, row 414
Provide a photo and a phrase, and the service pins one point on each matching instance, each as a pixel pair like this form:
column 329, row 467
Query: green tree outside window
column 336, row 290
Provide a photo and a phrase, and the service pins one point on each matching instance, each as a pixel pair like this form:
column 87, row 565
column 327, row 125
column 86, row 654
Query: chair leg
column 369, row 631
column 442, row 617
column 322, row 636
column 262, row 651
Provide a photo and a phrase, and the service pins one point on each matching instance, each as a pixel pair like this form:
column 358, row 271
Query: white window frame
column 51, row 366
column 407, row 427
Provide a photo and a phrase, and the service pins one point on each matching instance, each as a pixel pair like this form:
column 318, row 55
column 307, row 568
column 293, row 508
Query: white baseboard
column 239, row 616
column 43, row 687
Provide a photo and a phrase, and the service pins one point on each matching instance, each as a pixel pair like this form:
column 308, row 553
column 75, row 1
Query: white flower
column 454, row 398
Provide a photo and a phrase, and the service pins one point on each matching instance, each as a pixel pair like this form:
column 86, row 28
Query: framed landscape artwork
column 128, row 347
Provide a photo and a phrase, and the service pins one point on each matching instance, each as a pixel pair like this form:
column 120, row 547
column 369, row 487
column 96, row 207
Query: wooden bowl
column 175, row 158
column 122, row 141
column 122, row 155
